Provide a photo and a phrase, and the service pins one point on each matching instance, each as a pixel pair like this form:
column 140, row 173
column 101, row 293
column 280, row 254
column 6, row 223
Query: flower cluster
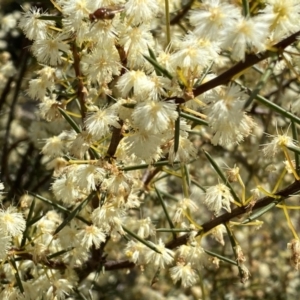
column 119, row 91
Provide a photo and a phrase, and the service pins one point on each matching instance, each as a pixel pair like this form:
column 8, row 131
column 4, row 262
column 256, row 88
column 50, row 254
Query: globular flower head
column 154, row 116
column 146, row 228
column 140, row 11
column 214, row 18
column 12, row 221
column 135, row 252
column 278, row 142
column 91, row 235
column 181, row 207
column 49, row 50
column 218, row 197
column 98, row 123
column 226, row 117
column 165, row 257
column 33, row 26
column 185, row 273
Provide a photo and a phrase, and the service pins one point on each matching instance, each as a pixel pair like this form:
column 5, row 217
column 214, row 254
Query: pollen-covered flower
column 80, row 144
column 218, row 197
column 217, row 233
column 109, row 216
column 98, row 123
column 33, row 26
column 193, row 55
column 118, row 183
column 12, row 221
column 77, row 9
column 91, row 235
column 182, row 207
column 86, row 176
column 185, row 273
column 39, row 87
column 154, row 116
column 164, row 257
column 233, row 174
column 54, row 147
column 247, row 32
column 278, row 142
column 49, row 108
column 59, row 288
column 226, row 117
column 65, row 190
column 135, row 252
column 185, row 153
column 285, row 16
column 49, row 49
column 146, row 228
column 214, row 18
column 136, row 81
column 139, row 11
column 144, row 146
column 193, row 254
column 102, row 64
column 136, row 40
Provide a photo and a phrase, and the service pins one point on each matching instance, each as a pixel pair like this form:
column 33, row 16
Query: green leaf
column 246, row 9
column 72, row 123
column 277, row 108
column 145, row 166
column 177, row 131
column 222, row 176
column 168, row 195
column 17, row 275
column 74, row 213
column 165, row 211
column 152, row 55
column 193, row 118
column 129, row 105
column 29, row 217
column 34, row 220
column 295, row 149
column 204, row 74
column 146, row 243
column 57, row 206
column 59, row 253
column 261, row 82
column 223, row 258
column 262, row 211
column 158, row 67
column 173, row 230
column 51, row 18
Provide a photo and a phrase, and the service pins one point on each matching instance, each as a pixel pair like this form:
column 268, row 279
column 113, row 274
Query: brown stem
column 250, row 60
column 80, row 85
column 115, row 140
column 294, row 188
column 285, row 193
